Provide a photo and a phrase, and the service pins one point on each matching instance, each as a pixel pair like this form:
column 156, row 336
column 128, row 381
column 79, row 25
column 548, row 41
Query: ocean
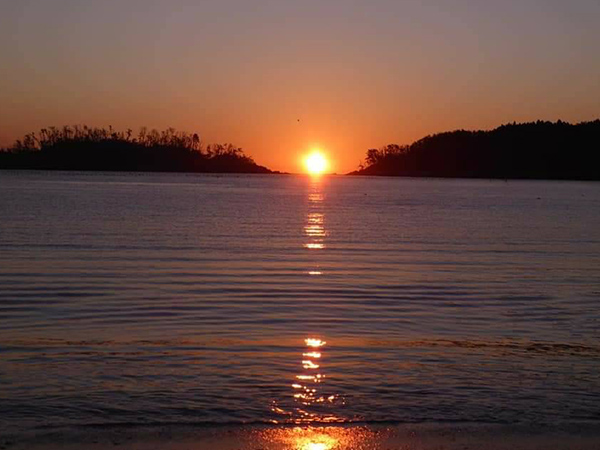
column 137, row 299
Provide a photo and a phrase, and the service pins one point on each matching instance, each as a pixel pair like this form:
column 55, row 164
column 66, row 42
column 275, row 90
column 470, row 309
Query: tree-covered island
column 536, row 150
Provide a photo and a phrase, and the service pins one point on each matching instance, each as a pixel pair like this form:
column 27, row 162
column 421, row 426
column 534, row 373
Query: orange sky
column 357, row 75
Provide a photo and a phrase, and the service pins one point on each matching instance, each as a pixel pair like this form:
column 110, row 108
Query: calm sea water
column 156, row 298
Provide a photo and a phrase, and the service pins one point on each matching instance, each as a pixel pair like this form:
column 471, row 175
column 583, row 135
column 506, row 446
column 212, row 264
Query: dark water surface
column 156, row 298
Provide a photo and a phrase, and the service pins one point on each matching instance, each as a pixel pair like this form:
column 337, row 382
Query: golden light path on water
column 318, row 438
column 306, row 387
column 311, row 433
column 311, row 405
column 314, row 229
column 312, row 342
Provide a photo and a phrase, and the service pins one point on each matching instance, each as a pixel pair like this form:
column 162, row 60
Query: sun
column 316, row 163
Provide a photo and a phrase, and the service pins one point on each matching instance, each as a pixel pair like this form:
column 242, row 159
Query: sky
column 279, row 78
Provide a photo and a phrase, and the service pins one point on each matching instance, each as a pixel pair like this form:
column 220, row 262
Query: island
column 535, row 150
column 100, row 149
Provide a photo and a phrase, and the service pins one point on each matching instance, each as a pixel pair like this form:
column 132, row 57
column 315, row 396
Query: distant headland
column 535, row 150
column 89, row 148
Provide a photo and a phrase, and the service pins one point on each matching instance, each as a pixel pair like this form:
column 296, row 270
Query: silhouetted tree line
column 536, row 150
column 90, row 148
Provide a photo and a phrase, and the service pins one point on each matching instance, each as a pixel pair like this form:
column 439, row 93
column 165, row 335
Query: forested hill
column 85, row 148
column 537, row 150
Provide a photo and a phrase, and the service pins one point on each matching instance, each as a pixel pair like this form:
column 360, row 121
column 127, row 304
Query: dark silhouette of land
column 85, row 148
column 536, row 150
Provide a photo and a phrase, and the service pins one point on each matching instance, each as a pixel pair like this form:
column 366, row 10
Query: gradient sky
column 358, row 74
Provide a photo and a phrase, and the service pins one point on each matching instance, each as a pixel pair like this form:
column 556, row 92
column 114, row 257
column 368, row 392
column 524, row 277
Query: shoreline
column 350, row 175
column 424, row 436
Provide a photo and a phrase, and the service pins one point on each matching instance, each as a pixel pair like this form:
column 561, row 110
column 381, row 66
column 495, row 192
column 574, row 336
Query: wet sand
column 381, row 437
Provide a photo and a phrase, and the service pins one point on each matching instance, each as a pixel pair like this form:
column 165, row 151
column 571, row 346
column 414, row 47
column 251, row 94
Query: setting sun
column 316, row 163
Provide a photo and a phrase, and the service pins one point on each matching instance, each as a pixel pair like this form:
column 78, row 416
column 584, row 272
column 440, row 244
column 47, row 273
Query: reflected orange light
column 314, row 230
column 318, row 438
column 314, row 245
column 307, row 392
column 310, row 377
column 316, row 446
column 314, row 342
column 315, row 218
column 308, row 364
column 311, row 439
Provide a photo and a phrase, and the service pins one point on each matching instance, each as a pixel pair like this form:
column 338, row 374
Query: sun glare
column 316, row 163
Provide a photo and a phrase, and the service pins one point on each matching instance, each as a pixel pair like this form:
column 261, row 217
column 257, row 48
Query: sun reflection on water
column 314, row 245
column 318, row 438
column 312, row 342
column 311, row 404
column 319, row 442
column 314, row 228
column 316, row 446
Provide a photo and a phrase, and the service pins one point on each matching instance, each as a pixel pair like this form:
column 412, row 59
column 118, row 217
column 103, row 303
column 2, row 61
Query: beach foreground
column 385, row 437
